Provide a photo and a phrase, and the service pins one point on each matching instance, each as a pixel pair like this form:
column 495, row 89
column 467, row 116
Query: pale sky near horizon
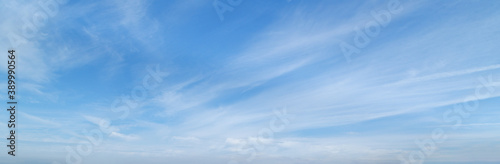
column 241, row 81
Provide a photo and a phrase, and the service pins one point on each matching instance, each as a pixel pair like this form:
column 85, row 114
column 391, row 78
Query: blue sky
column 267, row 68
